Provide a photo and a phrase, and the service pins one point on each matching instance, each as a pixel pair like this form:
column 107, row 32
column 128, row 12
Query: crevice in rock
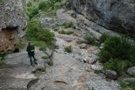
column 31, row 83
column 16, row 50
column 61, row 82
column 10, row 28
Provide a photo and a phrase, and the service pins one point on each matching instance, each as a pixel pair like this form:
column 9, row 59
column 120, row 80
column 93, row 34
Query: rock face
column 131, row 71
column 117, row 15
column 12, row 23
column 111, row 74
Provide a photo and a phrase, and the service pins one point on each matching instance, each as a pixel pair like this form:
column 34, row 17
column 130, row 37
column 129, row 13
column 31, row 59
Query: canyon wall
column 117, row 15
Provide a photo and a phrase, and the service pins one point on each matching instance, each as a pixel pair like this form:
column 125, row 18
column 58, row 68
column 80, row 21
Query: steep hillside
column 77, row 45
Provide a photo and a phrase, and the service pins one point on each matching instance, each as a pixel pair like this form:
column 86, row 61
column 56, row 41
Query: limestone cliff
column 117, row 15
column 12, row 23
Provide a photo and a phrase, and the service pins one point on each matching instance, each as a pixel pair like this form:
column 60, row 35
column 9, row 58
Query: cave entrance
column 8, row 37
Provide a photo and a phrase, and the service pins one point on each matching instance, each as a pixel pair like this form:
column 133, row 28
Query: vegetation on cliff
column 36, row 7
column 117, row 54
column 40, row 36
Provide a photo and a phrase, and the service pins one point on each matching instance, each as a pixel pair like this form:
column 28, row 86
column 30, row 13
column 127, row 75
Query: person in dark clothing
column 31, row 53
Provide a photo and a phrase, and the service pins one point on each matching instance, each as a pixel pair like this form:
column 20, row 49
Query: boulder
column 93, row 59
column 131, row 71
column 83, row 46
column 110, row 74
column 62, row 15
column 97, row 67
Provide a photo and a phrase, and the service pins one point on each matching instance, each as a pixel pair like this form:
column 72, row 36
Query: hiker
column 31, row 53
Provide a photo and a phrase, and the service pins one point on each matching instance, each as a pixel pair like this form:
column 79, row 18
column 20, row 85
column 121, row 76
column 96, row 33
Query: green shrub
column 46, row 36
column 68, row 25
column 41, row 44
column 1, row 1
column 43, row 5
column 132, row 54
column 115, row 47
column 66, row 32
column 38, row 35
column 33, row 28
column 58, row 5
column 29, row 4
column 89, row 39
column 2, row 58
column 117, row 65
column 68, row 49
column 32, row 8
column 117, row 54
column 49, row 5
column 104, row 37
column 32, row 12
column 127, row 85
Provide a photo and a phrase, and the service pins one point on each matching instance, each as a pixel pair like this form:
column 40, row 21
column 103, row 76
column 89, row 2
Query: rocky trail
column 70, row 71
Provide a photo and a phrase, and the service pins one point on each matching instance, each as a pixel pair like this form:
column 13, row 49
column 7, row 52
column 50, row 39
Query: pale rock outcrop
column 131, row 71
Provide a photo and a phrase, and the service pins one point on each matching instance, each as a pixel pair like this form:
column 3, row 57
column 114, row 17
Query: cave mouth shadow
column 11, row 28
column 16, row 50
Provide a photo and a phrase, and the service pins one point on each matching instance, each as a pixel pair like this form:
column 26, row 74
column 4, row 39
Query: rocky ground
column 70, row 71
column 17, row 73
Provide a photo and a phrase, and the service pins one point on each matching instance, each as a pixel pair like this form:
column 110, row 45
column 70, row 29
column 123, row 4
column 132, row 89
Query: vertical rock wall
column 117, row 15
